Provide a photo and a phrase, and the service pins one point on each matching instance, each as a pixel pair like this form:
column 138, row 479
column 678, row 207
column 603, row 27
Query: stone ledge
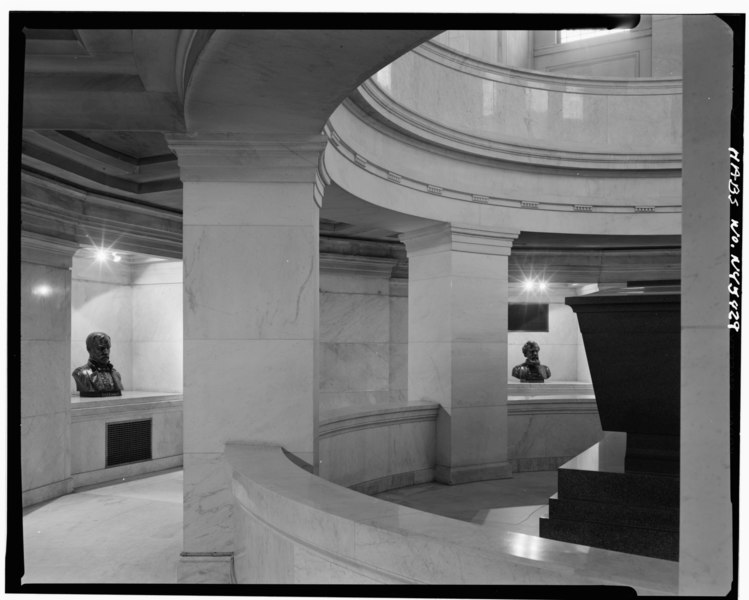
column 343, row 420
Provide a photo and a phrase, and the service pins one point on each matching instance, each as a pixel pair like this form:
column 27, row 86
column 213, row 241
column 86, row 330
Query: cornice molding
column 55, row 210
column 363, row 266
column 458, row 238
column 344, row 149
column 239, row 157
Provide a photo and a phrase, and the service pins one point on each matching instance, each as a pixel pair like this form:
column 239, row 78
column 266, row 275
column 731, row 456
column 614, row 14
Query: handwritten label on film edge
column 734, row 285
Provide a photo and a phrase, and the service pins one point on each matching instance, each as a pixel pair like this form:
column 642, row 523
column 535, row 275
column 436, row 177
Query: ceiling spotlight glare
column 529, row 284
column 541, row 285
column 116, row 257
column 42, row 290
column 101, row 255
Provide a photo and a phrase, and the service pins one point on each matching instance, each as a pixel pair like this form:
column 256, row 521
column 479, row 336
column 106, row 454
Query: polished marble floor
column 131, row 531
column 126, row 532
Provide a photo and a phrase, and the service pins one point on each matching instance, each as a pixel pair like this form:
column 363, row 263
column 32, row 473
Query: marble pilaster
column 45, row 367
column 457, row 345
column 251, row 294
column 705, row 528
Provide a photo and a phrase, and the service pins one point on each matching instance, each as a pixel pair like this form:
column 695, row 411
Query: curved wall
column 543, row 109
column 444, row 137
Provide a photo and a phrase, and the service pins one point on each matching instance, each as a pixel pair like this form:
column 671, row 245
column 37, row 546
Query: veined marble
column 293, row 527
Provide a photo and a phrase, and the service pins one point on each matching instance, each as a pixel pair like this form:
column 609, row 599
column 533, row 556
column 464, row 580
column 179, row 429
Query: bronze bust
column 531, row 371
column 98, row 378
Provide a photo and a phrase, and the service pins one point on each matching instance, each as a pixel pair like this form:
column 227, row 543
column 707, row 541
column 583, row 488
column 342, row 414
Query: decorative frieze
column 528, row 204
column 394, row 177
column 644, row 209
column 582, row 208
column 480, row 199
column 433, row 189
column 360, row 160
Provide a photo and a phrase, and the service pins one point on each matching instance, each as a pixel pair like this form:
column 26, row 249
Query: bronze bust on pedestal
column 98, row 378
column 531, row 371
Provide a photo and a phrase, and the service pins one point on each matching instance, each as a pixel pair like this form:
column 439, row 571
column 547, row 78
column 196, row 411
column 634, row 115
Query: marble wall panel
column 354, row 318
column 45, row 294
column 156, row 366
column 429, row 372
column 667, row 45
column 354, row 367
column 274, row 407
column 477, row 375
column 101, row 306
column 252, row 310
column 162, row 272
column 261, row 554
column 398, row 370
column 331, row 400
column 429, row 321
column 412, row 446
column 551, row 435
column 157, row 312
column 478, row 435
column 88, row 445
column 45, row 449
column 398, row 320
column 167, row 433
column 208, row 504
column 42, row 388
column 258, row 204
column 479, row 309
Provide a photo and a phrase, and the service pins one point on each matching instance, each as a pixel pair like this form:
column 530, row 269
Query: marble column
column 45, row 367
column 251, row 294
column 705, row 529
column 457, row 345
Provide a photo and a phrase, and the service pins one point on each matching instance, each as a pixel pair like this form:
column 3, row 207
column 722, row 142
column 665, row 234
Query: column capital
column 459, row 238
column 247, row 158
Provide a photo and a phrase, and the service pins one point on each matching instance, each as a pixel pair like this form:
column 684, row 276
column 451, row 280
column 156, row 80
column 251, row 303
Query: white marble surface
column 354, row 318
column 362, row 537
column 207, row 521
column 354, row 367
column 461, row 179
column 705, row 520
column 359, row 445
column 44, row 384
column 454, row 97
column 43, row 388
column 45, row 449
column 264, row 404
column 275, row 263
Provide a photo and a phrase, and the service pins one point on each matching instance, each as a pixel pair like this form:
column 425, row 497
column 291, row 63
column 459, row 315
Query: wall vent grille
column 128, row 441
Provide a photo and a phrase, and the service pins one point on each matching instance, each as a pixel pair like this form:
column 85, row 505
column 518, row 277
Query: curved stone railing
column 377, row 448
column 294, row 527
column 530, row 116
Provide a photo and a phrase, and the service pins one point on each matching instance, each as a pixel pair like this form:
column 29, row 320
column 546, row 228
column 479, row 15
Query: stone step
column 654, row 543
column 615, row 514
column 633, row 489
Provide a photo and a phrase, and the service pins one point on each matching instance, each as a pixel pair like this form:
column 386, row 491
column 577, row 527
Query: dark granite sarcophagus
column 623, row 493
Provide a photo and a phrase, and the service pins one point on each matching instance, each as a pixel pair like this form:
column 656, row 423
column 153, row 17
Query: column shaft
column 457, row 345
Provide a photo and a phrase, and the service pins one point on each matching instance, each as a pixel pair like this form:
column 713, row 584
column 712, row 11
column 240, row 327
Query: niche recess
column 137, row 300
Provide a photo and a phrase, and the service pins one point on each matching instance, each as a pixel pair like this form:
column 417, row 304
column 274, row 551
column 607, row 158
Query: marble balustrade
column 293, row 527
column 373, row 449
